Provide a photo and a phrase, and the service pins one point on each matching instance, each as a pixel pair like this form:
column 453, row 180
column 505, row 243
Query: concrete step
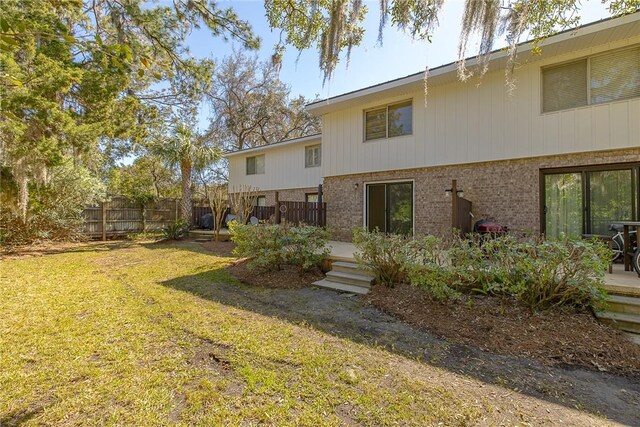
column 349, row 278
column 635, row 338
column 632, row 291
column 324, row 283
column 623, row 304
column 350, row 267
column 623, row 321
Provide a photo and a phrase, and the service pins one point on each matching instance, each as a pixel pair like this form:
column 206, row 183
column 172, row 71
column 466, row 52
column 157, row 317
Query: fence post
column 277, row 207
column 319, row 221
column 104, row 221
column 454, row 204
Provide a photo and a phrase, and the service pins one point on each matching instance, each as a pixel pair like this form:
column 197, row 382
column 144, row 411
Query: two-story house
column 291, row 167
column 561, row 153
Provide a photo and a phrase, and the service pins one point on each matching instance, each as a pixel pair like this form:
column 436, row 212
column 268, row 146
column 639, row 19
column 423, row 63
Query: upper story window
column 312, row 156
column 606, row 77
column 255, row 165
column 389, row 121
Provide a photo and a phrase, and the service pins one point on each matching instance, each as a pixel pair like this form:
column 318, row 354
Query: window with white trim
column 312, row 156
column 606, row 77
column 389, row 121
column 255, row 165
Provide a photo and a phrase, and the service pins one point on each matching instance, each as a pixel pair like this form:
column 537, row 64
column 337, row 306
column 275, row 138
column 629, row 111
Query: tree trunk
column 143, row 217
column 20, row 175
column 185, row 171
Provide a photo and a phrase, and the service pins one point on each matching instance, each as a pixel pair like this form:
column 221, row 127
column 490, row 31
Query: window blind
column 564, row 86
column 376, row 124
column 615, row 75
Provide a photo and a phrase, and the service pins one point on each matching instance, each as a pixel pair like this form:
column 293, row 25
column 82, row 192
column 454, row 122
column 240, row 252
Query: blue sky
column 370, row 63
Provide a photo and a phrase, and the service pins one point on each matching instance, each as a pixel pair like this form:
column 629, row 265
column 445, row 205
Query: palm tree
column 188, row 150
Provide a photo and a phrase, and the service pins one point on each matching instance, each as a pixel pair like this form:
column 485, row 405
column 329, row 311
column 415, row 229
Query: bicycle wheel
column 617, row 247
column 635, row 260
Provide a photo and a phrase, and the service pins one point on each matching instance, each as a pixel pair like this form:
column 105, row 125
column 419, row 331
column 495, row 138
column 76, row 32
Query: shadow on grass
column 220, row 249
column 67, row 247
column 342, row 315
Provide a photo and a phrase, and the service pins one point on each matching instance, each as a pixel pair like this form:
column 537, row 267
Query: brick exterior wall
column 506, row 191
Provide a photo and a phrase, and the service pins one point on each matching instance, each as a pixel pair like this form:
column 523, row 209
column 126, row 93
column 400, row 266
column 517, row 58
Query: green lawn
column 97, row 337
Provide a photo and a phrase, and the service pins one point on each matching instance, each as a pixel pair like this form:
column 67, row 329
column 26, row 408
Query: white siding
column 283, row 168
column 480, row 121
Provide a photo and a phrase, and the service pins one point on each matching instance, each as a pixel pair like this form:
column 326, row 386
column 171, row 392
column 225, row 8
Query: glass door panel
column 400, row 208
column 611, row 198
column 376, row 206
column 390, row 207
column 563, row 204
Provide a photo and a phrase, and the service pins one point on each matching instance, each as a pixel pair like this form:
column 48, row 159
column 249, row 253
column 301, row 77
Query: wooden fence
column 121, row 216
column 263, row 213
column 311, row 213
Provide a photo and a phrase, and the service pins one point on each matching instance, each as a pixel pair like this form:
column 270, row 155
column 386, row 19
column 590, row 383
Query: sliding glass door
column 390, row 207
column 563, row 204
column 587, row 201
column 611, row 199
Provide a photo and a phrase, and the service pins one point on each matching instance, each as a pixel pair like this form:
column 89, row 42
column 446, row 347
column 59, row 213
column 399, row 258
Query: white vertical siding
column 481, row 121
column 283, row 169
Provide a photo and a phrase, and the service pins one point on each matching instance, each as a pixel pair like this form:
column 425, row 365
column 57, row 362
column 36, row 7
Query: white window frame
column 313, row 147
column 386, row 107
column 256, row 165
column 588, row 74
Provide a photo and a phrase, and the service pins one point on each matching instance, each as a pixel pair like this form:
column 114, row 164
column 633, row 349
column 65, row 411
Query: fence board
column 311, row 213
column 122, row 216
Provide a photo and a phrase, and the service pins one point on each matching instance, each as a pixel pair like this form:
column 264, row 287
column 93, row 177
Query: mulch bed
column 555, row 337
column 287, row 278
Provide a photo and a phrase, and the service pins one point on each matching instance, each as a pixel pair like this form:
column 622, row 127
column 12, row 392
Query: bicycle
column 618, row 242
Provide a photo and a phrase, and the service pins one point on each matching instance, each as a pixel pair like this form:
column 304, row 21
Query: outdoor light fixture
column 449, row 191
column 355, row 186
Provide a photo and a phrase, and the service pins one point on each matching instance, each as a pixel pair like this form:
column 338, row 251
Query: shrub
column 263, row 244
column 539, row 273
column 175, row 231
column 54, row 208
column 430, row 269
column 566, row 272
column 272, row 246
column 306, row 246
column 385, row 255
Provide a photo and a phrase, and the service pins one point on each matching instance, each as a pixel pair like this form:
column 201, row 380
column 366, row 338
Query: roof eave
column 334, row 103
column 267, row 147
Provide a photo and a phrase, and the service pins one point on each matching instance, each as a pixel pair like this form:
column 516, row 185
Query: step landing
column 347, row 277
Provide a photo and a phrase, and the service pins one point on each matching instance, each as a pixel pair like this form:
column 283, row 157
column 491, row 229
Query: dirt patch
column 219, row 248
column 560, row 337
column 46, row 248
column 287, row 278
